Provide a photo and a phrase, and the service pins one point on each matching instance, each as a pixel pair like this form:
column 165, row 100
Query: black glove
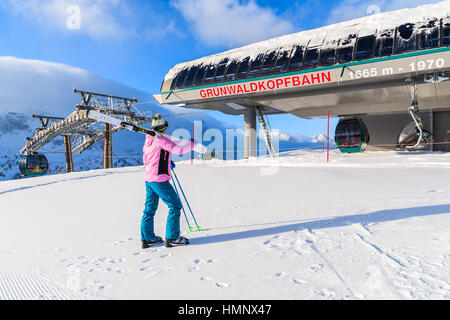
column 172, row 165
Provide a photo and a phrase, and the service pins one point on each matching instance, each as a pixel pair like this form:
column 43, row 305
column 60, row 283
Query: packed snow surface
column 363, row 226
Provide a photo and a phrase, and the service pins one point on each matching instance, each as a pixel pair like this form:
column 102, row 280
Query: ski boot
column 146, row 244
column 180, row 241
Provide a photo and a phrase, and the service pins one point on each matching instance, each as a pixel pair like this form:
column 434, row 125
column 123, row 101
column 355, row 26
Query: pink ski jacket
column 157, row 157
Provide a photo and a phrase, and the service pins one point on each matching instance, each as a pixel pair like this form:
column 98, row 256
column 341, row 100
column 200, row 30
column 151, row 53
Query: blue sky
column 136, row 42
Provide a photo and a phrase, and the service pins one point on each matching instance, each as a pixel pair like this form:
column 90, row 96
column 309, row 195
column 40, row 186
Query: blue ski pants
column 166, row 192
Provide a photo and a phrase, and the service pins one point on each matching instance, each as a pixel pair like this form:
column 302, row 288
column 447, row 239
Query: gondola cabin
column 351, row 135
column 33, row 165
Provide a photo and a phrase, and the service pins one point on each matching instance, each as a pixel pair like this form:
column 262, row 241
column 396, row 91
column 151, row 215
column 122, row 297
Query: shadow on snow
column 364, row 219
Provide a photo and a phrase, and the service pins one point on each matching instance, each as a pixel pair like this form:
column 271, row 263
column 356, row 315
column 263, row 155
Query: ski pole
column 175, row 186
column 179, row 184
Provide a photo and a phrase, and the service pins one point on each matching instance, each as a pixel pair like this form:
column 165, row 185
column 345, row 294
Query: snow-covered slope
column 366, row 226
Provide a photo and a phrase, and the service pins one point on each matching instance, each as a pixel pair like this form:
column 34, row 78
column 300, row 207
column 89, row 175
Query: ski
column 98, row 116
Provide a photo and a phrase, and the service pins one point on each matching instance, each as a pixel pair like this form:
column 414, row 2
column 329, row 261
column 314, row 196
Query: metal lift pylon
column 265, row 126
column 68, row 153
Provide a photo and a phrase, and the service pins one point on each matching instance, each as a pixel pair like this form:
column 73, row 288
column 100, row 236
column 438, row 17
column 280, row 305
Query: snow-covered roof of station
column 326, row 36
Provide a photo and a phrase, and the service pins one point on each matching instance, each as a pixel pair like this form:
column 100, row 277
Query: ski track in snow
column 311, row 241
column 390, row 258
column 397, row 268
column 388, row 275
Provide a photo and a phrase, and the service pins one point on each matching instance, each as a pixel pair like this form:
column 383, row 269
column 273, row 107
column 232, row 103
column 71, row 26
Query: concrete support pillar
column 68, row 151
column 250, row 146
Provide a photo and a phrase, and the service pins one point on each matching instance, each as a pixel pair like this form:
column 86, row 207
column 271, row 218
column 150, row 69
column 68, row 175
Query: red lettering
column 326, row 77
column 296, row 81
column 261, row 86
column 279, row 83
column 287, row 81
column 231, row 90
column 315, row 77
column 305, row 80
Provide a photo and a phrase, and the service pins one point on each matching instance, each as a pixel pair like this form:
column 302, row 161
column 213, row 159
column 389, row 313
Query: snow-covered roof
column 369, row 25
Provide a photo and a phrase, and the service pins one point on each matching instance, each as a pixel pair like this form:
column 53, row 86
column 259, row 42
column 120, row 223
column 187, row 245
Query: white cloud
column 99, row 19
column 231, row 22
column 96, row 16
column 351, row 9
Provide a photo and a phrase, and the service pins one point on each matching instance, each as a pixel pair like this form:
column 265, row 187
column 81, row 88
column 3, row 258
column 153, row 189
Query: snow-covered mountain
column 289, row 142
column 40, row 87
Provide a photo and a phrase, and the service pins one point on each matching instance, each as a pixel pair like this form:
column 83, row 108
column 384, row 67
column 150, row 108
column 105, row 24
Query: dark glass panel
column 231, row 71
column 255, row 67
column 269, row 63
column 327, row 57
column 180, row 78
column 311, row 58
column 429, row 39
column 345, row 54
column 190, row 77
column 174, row 82
column 364, row 48
column 446, row 34
column 297, row 59
column 429, row 35
column 210, row 73
column 198, row 81
column 282, row 61
column 385, row 44
column 406, row 38
column 243, row 69
column 221, row 68
column 346, row 48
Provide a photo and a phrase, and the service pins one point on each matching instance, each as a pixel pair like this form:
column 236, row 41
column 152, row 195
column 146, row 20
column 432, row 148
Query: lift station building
column 386, row 76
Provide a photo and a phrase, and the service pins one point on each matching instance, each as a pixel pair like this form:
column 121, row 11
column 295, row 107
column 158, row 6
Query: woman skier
column 157, row 164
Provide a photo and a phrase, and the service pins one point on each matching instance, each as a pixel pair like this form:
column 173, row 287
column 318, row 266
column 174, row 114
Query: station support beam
column 68, row 152
column 107, row 148
column 250, row 146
